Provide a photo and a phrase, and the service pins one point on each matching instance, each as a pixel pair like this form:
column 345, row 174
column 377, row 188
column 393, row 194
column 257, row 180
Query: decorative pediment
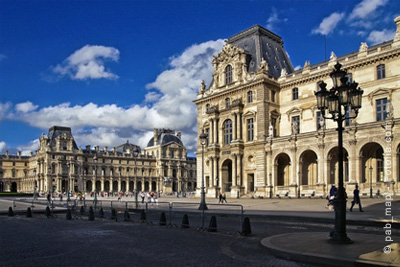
column 229, row 53
column 380, row 92
column 294, row 110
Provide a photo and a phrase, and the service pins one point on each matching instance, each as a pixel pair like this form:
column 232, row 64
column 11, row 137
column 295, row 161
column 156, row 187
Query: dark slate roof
column 56, row 131
column 165, row 137
column 261, row 43
column 128, row 148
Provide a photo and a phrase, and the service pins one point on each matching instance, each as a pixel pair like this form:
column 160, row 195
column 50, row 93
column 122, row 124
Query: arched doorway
column 308, row 168
column 106, row 186
column 115, row 186
column 14, row 188
column 333, row 166
column 282, row 170
column 89, row 186
column 372, row 163
column 131, row 187
column 226, row 176
column 146, row 186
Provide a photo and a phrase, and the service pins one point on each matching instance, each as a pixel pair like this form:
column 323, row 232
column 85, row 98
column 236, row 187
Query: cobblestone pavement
column 40, row 241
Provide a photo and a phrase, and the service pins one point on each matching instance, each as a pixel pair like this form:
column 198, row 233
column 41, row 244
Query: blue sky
column 114, row 70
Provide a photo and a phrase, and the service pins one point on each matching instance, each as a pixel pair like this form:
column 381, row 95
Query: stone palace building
column 266, row 137
column 59, row 165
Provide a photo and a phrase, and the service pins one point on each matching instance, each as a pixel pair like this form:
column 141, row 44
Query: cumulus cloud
column 376, row 37
column 328, row 24
column 366, row 8
column 2, row 146
column 4, row 109
column 88, row 63
column 25, row 107
column 170, row 105
column 28, row 148
column 273, row 20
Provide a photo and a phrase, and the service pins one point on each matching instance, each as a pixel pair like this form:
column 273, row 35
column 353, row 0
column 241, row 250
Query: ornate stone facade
column 266, row 136
column 59, row 165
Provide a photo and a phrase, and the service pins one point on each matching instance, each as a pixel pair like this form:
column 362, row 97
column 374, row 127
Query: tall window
column 380, row 71
column 295, row 93
column 273, row 96
column 296, row 124
column 250, row 129
column 348, row 113
column 228, row 74
column 250, row 96
column 207, row 132
column 227, row 102
column 227, row 132
column 381, row 109
column 274, row 126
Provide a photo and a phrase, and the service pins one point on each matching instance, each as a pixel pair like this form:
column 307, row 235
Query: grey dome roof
column 128, row 148
column 165, row 138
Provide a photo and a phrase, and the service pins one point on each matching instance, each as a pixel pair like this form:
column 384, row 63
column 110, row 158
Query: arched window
column 227, row 132
column 228, row 74
column 250, row 96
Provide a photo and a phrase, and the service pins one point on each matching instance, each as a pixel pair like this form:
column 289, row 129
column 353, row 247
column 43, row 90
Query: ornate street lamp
column 203, row 138
column 68, row 170
column 342, row 97
column 370, row 181
column 95, row 182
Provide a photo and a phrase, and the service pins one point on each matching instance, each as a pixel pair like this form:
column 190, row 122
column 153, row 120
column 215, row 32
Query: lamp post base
column 203, row 206
column 338, row 238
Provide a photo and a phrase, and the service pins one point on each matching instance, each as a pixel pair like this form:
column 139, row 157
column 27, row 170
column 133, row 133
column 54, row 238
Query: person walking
column 356, row 199
column 220, row 198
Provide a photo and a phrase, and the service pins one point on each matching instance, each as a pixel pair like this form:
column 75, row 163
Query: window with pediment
column 250, row 96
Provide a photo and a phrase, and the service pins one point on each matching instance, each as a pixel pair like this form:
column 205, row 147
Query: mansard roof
column 57, row 131
column 128, row 148
column 261, row 44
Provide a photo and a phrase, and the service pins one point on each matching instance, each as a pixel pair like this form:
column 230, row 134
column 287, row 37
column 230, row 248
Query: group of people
column 222, row 198
column 333, row 195
column 151, row 197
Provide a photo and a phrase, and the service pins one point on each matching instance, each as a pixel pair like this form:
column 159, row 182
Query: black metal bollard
column 91, row 214
column 246, row 228
column 127, row 217
column 213, row 224
column 29, row 212
column 10, row 212
column 185, row 221
column 82, row 210
column 101, row 213
column 114, row 214
column 142, row 216
column 163, row 219
column 68, row 215
column 48, row 212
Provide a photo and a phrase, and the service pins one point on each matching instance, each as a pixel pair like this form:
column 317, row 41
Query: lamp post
column 203, row 205
column 298, row 188
column 68, row 169
column 95, row 182
column 342, row 97
column 370, row 181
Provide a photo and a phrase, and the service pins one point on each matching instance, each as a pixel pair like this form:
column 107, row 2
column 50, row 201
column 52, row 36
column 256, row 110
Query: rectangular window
column 295, row 93
column 207, row 132
column 295, row 124
column 274, row 126
column 348, row 113
column 273, row 96
column 381, row 109
column 380, row 71
column 250, row 130
column 319, row 118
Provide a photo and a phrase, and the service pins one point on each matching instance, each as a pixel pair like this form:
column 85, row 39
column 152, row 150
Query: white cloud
column 28, row 148
column 25, row 107
column 88, row 63
column 376, row 37
column 328, row 24
column 4, row 109
column 2, row 146
column 170, row 105
column 274, row 20
column 367, row 7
